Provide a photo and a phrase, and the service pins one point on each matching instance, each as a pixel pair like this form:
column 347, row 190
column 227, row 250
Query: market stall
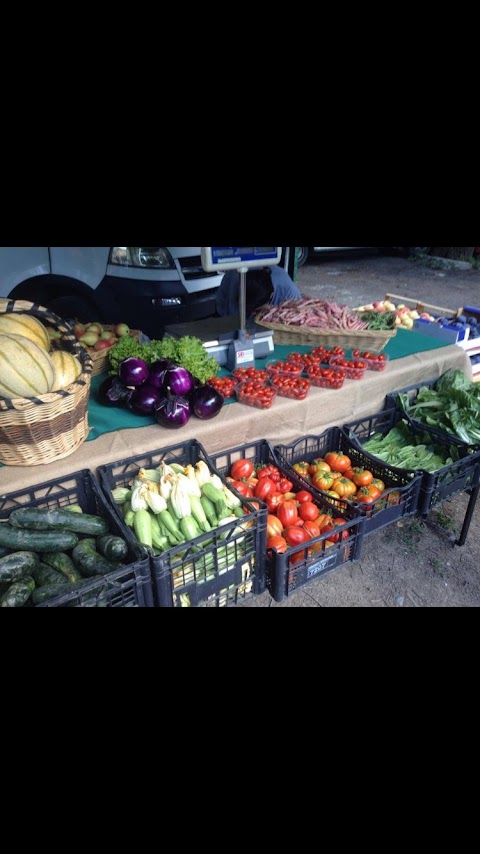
column 118, row 434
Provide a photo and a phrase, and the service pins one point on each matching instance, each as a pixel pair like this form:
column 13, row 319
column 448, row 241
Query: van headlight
column 142, row 256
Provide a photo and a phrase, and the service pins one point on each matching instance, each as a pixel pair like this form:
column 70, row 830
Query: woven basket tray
column 40, row 430
column 100, row 360
column 365, row 339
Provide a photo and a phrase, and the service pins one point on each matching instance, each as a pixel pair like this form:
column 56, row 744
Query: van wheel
column 73, row 308
column 303, row 254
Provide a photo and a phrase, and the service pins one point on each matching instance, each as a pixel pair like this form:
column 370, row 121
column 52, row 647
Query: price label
column 245, row 356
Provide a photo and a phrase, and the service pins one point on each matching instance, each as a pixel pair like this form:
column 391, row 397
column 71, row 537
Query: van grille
column 192, row 268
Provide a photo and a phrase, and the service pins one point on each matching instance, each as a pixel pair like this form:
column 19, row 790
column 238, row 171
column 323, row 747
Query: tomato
column 287, row 513
column 300, row 556
column 319, row 465
column 284, row 486
column 242, row 469
column 303, row 496
column 345, row 488
column 273, row 501
column 364, row 496
column 242, row 488
column 308, row 512
column 330, row 530
column 378, row 483
column 296, row 536
column 362, row 477
column 312, row 529
column 374, row 491
column 393, row 498
column 338, row 461
column 274, row 526
column 269, row 471
column 323, row 481
column 264, row 487
column 302, row 468
column 278, row 543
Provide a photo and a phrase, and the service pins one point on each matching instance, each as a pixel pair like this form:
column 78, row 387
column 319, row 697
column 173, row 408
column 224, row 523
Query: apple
column 398, row 320
column 79, row 329
column 90, row 339
column 53, row 334
column 378, row 306
column 102, row 344
column 95, row 327
column 122, row 330
column 390, row 306
column 369, row 307
column 107, row 335
column 407, row 322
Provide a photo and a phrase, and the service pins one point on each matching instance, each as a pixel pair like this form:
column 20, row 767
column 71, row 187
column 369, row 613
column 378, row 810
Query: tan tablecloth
column 286, row 422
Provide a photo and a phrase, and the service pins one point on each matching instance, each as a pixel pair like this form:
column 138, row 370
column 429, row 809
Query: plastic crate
column 288, row 572
column 402, row 488
column 461, row 476
column 391, row 402
column 221, row 568
column 129, row 586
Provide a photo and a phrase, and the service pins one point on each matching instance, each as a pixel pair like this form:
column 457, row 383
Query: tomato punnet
column 278, row 543
column 338, row 461
column 242, row 469
column 308, row 512
column 287, row 513
column 274, row 526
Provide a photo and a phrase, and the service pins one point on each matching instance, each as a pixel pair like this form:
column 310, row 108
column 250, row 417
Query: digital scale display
column 218, row 258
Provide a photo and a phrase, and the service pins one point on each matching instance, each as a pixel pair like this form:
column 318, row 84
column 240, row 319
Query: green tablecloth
column 104, row 419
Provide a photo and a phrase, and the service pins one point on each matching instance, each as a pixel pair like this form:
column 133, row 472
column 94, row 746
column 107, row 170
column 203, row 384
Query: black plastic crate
column 461, row 476
column 402, row 488
column 392, row 401
column 300, row 565
column 129, row 586
column 220, row 568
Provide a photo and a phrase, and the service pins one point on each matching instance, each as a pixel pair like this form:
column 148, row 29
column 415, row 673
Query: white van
column 146, row 287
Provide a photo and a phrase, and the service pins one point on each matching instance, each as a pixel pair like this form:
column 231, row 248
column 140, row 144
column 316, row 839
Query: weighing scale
column 242, row 347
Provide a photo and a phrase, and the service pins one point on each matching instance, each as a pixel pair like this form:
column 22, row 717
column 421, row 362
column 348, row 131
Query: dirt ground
column 409, row 564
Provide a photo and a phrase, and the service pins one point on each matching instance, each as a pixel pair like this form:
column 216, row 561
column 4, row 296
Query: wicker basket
column 100, row 360
column 297, row 335
column 40, row 430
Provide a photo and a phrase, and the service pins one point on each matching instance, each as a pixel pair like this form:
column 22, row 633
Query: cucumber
column 63, row 563
column 42, row 519
column 19, row 539
column 45, row 575
column 4, row 551
column 18, row 593
column 17, row 566
column 112, row 547
column 89, row 561
column 49, row 591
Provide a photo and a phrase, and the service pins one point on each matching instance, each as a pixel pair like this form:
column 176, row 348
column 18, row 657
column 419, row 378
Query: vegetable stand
column 118, row 434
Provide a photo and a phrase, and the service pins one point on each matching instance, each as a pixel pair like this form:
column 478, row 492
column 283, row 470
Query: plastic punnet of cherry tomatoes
column 375, row 359
column 242, row 374
column 354, row 368
column 256, row 393
column 322, row 377
column 293, row 387
column 224, row 385
column 292, row 369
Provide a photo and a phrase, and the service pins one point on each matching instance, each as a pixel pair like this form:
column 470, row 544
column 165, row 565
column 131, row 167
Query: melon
column 26, row 325
column 67, row 369
column 26, row 370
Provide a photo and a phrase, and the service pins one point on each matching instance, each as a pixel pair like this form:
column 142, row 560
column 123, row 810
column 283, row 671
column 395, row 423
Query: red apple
column 102, row 344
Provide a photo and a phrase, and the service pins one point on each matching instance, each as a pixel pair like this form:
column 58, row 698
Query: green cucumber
column 90, row 562
column 17, row 566
column 49, row 591
column 45, row 575
column 63, row 563
column 4, row 551
column 19, row 539
column 112, row 547
column 43, row 519
column 18, row 593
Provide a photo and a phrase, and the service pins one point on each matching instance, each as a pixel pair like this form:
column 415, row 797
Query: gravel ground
column 412, row 563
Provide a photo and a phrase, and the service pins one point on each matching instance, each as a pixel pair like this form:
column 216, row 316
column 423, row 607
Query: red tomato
column 278, row 543
column 273, row 501
column 296, row 536
column 308, row 512
column 303, row 497
column 264, row 488
column 338, row 461
column 287, row 513
column 242, row 488
column 274, row 526
column 242, row 469
column 362, row 477
column 312, row 529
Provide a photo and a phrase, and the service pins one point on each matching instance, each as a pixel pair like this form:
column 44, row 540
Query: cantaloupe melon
column 67, row 369
column 26, row 370
column 26, row 325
